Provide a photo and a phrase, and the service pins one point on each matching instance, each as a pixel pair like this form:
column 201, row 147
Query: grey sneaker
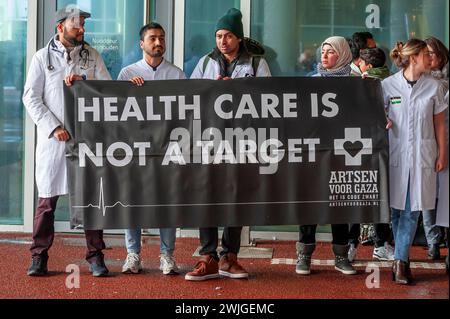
column 132, row 264
column 168, row 265
column 352, row 253
column 98, row 268
column 384, row 253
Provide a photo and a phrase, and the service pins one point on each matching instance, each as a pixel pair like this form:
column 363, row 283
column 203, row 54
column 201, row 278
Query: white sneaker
column 168, row 265
column 352, row 253
column 385, row 252
column 132, row 264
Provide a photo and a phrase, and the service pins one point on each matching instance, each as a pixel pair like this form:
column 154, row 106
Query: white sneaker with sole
column 132, row 264
column 352, row 253
column 168, row 265
column 385, row 253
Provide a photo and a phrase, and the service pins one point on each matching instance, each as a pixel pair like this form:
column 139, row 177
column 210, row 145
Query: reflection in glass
column 292, row 30
column 13, row 34
column 113, row 30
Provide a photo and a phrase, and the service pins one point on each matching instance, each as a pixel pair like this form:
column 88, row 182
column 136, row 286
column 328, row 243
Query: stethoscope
column 84, row 55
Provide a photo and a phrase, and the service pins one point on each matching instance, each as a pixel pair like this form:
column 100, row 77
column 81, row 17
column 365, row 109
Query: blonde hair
column 401, row 53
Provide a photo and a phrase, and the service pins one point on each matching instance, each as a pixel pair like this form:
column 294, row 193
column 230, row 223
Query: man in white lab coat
column 229, row 60
column 65, row 59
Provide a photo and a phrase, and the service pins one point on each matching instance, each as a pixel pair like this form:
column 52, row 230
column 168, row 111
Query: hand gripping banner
column 201, row 153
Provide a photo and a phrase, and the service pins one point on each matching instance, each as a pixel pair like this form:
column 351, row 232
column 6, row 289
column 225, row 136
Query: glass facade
column 200, row 20
column 292, row 30
column 113, row 30
column 13, row 39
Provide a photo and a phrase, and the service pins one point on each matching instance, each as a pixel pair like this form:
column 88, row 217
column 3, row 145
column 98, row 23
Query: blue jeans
column 167, row 240
column 432, row 231
column 404, row 225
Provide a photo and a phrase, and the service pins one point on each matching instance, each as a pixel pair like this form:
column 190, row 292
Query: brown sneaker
column 206, row 268
column 229, row 267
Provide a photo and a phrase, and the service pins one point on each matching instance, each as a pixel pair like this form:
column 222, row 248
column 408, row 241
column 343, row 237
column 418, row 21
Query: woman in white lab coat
column 415, row 106
column 439, row 69
column 442, row 209
column 433, row 219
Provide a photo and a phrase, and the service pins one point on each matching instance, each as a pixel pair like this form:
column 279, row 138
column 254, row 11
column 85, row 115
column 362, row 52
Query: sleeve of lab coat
column 386, row 97
column 181, row 75
column 33, row 99
column 440, row 105
column 123, row 75
column 101, row 72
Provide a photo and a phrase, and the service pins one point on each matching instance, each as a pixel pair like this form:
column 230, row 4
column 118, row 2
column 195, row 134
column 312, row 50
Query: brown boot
column 206, row 268
column 400, row 272
column 229, row 267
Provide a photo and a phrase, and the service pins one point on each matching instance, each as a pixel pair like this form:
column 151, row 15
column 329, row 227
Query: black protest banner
column 257, row 151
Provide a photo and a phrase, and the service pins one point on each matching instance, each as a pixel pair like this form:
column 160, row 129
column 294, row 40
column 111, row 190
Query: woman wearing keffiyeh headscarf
column 336, row 58
column 335, row 61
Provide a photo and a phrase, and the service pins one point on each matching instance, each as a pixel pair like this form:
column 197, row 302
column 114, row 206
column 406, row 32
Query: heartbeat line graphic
column 103, row 208
column 101, row 203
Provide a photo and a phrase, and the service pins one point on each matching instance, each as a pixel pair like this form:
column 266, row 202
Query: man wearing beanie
column 229, row 60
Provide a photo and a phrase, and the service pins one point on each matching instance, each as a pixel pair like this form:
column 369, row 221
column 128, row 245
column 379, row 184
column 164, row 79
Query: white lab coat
column 442, row 213
column 165, row 71
column 44, row 100
column 212, row 70
column 412, row 143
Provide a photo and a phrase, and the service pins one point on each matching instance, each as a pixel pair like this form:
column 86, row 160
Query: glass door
column 13, row 38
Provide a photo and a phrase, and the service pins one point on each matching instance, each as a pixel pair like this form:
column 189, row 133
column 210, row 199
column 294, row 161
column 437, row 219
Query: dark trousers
column 307, row 234
column 44, row 232
column 209, row 240
column 382, row 234
column 353, row 234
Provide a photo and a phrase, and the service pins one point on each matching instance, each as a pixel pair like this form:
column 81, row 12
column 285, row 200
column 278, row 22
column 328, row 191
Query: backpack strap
column 205, row 63
column 255, row 63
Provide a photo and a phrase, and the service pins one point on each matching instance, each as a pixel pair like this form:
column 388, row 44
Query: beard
column 72, row 40
column 157, row 52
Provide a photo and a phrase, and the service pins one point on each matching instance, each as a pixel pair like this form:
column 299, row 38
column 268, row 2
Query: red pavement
column 267, row 281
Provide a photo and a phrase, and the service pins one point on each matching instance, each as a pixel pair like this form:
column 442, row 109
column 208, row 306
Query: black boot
column 304, row 253
column 38, row 266
column 341, row 262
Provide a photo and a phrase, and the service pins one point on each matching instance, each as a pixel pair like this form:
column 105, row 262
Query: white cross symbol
column 353, row 135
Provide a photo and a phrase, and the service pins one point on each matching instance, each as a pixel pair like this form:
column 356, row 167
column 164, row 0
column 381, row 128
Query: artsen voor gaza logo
column 353, row 147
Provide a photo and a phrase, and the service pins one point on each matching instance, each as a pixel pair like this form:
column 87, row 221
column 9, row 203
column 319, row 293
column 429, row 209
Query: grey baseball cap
column 69, row 11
